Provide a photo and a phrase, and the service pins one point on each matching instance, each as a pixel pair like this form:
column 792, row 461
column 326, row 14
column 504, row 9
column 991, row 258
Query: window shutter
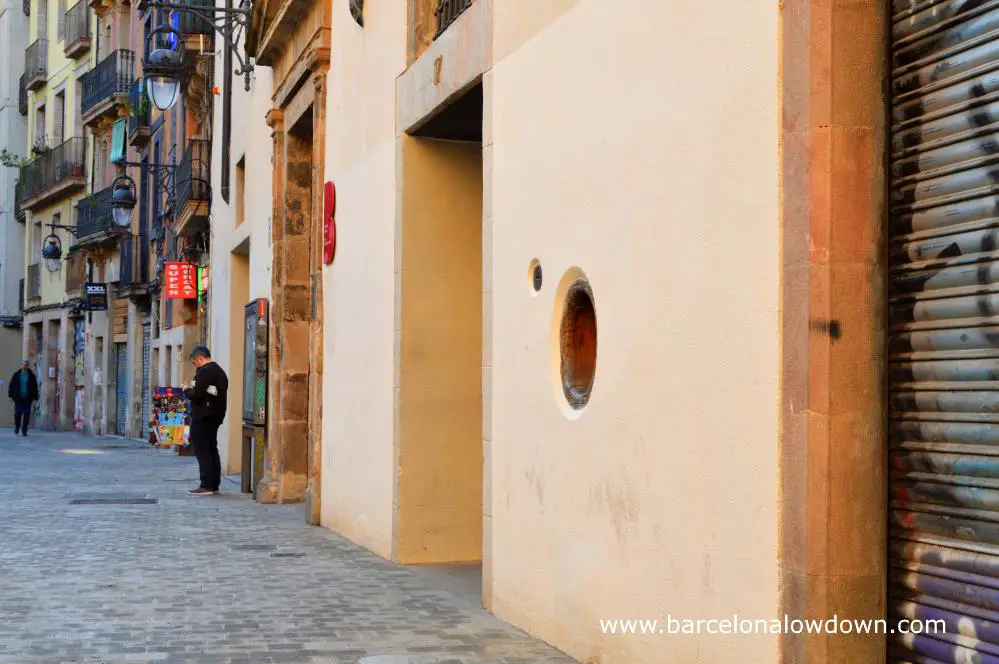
column 118, row 141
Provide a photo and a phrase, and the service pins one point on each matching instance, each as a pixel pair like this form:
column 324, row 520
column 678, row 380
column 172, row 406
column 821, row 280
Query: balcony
column 36, row 64
column 107, row 86
column 133, row 267
column 53, row 174
column 77, row 30
column 22, row 97
column 34, row 282
column 194, row 188
column 447, row 12
column 191, row 25
column 93, row 219
column 138, row 115
column 18, row 210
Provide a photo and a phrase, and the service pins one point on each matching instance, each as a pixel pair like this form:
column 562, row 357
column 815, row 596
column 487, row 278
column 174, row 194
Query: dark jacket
column 14, row 389
column 209, row 395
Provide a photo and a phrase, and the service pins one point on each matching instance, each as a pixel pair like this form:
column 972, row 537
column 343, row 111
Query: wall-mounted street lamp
column 163, row 67
column 122, row 201
column 163, row 55
column 52, row 246
column 52, row 253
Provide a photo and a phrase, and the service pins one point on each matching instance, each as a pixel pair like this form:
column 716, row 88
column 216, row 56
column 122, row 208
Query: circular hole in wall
column 535, row 276
column 576, row 335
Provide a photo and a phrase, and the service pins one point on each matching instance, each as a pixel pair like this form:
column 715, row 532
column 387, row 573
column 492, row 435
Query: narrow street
column 221, row 580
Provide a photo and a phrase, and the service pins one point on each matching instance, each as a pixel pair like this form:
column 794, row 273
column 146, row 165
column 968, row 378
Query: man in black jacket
column 23, row 391
column 208, row 395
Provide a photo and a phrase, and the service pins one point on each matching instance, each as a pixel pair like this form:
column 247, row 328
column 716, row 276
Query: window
column 78, row 117
column 240, row 188
column 43, row 22
column 61, row 21
column 59, row 118
column 40, row 126
column 36, row 241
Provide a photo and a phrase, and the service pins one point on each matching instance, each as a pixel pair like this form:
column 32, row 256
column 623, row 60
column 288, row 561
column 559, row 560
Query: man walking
column 23, row 391
column 208, row 395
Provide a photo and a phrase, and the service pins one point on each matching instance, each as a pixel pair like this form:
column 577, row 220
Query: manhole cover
column 253, row 547
column 90, row 495
column 114, row 501
column 410, row 659
column 288, row 555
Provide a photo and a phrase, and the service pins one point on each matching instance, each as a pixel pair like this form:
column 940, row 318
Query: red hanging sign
column 180, row 281
column 329, row 223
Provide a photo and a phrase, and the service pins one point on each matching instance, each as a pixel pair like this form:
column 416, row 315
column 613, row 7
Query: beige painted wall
column 359, row 288
column 661, row 498
column 438, row 458
column 251, row 141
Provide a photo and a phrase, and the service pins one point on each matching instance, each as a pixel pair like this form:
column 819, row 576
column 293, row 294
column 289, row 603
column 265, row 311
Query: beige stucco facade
column 241, row 255
column 660, row 496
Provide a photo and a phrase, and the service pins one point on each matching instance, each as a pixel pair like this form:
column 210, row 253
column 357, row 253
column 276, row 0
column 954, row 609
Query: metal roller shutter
column 943, row 344
column 121, row 357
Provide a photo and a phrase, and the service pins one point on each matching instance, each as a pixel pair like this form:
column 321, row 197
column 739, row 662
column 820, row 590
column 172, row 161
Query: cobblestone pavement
column 190, row 580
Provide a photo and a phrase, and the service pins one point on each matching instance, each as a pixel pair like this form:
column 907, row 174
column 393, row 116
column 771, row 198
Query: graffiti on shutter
column 121, row 354
column 943, row 312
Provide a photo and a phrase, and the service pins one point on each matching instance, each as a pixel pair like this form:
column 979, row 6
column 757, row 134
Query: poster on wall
column 169, row 417
column 78, row 409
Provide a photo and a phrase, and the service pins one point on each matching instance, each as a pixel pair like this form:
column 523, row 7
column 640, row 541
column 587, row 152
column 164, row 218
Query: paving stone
column 192, row 580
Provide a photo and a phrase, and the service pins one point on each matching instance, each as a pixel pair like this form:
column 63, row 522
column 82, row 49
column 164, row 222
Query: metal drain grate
column 114, row 501
column 288, row 555
column 252, row 547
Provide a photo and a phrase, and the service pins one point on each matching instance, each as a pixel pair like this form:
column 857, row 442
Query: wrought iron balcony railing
column 62, row 165
column 189, row 24
column 34, row 281
column 194, row 173
column 447, row 12
column 93, row 215
column 77, row 30
column 18, row 210
column 36, row 64
column 22, row 96
column 110, row 79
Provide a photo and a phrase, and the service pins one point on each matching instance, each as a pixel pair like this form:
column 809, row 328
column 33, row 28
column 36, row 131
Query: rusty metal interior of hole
column 578, row 340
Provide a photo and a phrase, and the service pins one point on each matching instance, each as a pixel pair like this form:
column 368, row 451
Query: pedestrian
column 208, row 394
column 23, row 391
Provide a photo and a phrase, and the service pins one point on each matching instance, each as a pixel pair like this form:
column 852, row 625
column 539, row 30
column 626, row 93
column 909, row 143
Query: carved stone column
column 268, row 490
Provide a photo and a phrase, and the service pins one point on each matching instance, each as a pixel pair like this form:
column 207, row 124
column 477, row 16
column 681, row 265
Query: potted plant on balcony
column 40, row 147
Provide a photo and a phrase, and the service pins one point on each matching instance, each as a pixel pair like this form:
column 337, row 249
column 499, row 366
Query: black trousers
column 205, row 439
column 22, row 414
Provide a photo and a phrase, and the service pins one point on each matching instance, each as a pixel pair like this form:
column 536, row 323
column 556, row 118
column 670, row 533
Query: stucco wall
column 359, row 288
column 251, row 141
column 661, row 498
column 13, row 132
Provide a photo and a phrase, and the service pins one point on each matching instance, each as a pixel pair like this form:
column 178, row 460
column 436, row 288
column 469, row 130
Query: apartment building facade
column 53, row 180
column 13, row 132
column 91, row 126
